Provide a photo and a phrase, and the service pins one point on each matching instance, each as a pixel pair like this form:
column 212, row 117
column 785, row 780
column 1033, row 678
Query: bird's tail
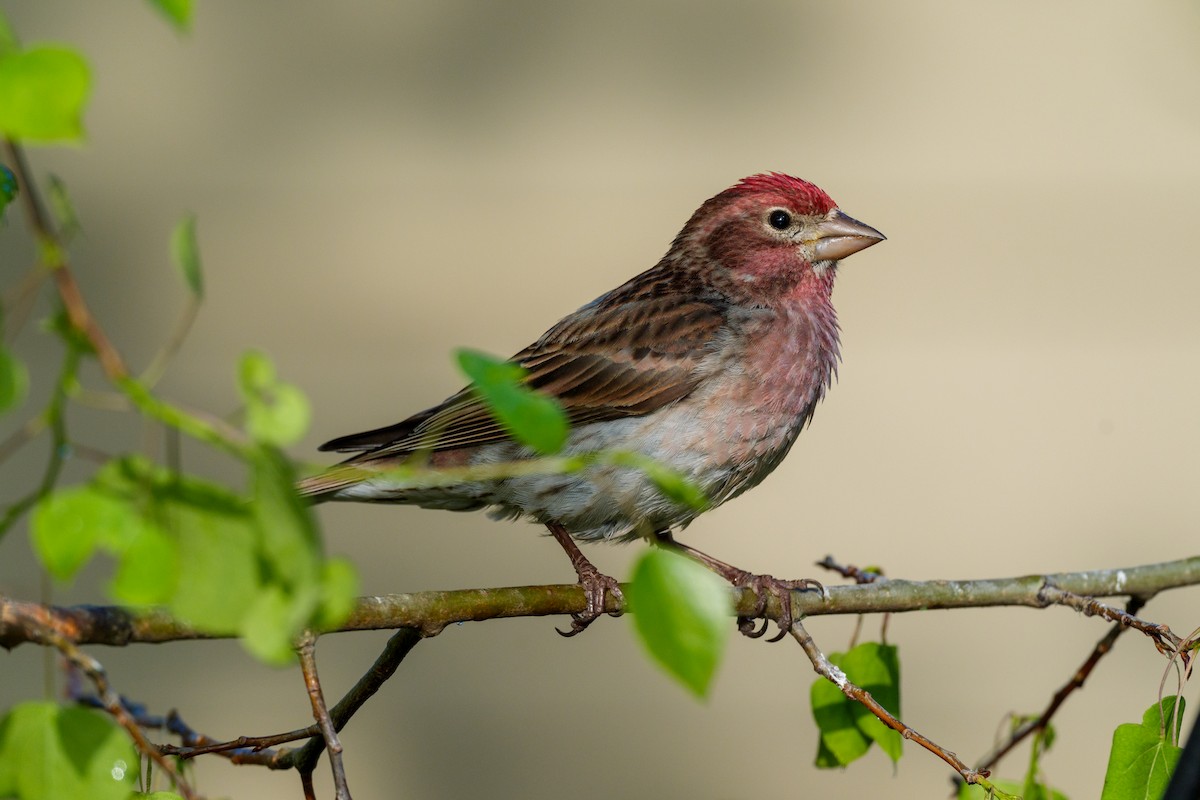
column 325, row 485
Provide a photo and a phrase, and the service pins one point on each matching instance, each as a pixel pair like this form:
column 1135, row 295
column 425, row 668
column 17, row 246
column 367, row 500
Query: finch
column 711, row 362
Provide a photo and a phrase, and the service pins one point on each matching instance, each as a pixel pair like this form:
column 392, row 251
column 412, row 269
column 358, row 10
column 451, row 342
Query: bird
column 710, row 363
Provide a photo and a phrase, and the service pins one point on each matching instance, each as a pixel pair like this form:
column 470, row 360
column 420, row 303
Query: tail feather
column 324, row 485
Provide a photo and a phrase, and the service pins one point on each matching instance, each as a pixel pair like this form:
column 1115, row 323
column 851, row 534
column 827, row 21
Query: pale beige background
column 378, row 183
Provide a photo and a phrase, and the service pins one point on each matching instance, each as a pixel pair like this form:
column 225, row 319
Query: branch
column 256, row 749
column 430, row 612
column 1031, row 726
column 54, row 256
column 827, row 670
column 50, row 633
column 308, row 665
column 399, row 646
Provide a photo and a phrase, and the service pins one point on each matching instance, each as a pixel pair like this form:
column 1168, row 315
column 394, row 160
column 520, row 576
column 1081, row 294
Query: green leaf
column 159, row 796
column 1047, row 737
column 281, row 420
column 14, row 380
column 42, row 94
column 1005, row 790
column 256, row 373
column 291, row 547
column 69, row 523
column 293, row 579
column 176, row 12
column 1142, row 758
column 218, row 548
column 137, row 477
column 534, row 419
column 226, row 564
column 841, row 740
column 339, row 589
column 269, row 628
column 147, row 569
column 277, row 413
column 876, row 668
column 682, row 615
column 186, row 255
column 847, row 727
column 53, row 753
column 300, row 590
column 1034, row 787
column 1166, row 718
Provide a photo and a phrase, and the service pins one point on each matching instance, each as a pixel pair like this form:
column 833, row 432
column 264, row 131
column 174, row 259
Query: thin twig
column 1164, row 640
column 827, row 670
column 103, row 400
column 183, row 326
column 54, row 256
column 859, row 576
column 398, row 646
column 18, row 300
column 55, row 417
column 256, row 749
column 22, row 436
column 1033, row 726
column 200, row 745
column 307, row 651
column 851, row 572
column 255, row 752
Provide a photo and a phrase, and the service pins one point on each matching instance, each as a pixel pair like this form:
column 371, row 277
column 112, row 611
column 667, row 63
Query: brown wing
column 614, row 358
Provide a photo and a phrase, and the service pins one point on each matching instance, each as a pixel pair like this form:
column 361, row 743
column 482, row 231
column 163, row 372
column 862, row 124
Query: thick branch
column 429, row 612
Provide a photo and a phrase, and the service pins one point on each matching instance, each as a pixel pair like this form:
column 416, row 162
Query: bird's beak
column 839, row 235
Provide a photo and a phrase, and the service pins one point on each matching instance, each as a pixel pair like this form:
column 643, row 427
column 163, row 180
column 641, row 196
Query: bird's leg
column 761, row 585
column 594, row 582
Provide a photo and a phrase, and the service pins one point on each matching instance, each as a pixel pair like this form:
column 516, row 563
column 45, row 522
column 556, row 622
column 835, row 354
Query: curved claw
column 746, row 626
column 763, row 585
column 595, row 585
column 579, row 623
column 810, row 583
column 783, row 631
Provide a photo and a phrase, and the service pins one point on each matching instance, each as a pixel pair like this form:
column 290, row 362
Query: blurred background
column 378, row 183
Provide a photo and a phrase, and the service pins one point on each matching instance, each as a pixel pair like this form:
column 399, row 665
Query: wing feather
column 617, row 357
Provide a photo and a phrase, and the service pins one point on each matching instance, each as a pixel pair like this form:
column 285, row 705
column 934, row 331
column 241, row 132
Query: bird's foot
column 595, row 584
column 765, row 586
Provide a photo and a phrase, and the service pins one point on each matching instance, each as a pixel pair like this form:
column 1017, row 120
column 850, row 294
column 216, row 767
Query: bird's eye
column 780, row 220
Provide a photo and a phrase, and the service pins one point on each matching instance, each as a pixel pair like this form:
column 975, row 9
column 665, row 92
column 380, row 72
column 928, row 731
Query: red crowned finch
column 710, row 362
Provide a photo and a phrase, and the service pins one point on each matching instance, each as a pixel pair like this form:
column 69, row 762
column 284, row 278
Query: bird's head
column 769, row 237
